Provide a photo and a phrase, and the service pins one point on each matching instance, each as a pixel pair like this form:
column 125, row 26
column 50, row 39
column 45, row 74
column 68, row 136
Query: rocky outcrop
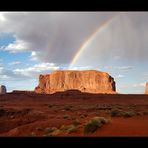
column 90, row 81
column 3, row 89
column 146, row 89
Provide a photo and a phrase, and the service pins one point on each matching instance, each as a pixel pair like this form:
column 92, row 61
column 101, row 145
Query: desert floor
column 66, row 114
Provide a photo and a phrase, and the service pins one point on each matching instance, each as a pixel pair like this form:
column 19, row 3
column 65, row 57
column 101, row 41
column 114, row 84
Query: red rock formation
column 146, row 89
column 3, row 89
column 91, row 81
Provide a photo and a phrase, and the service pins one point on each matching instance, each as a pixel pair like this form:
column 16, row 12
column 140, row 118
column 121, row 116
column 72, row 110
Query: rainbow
column 89, row 40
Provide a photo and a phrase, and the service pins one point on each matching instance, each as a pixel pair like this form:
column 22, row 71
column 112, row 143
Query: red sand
column 31, row 114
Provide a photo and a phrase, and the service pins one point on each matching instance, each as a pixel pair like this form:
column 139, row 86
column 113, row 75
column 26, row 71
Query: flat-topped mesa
column 146, row 89
column 90, row 81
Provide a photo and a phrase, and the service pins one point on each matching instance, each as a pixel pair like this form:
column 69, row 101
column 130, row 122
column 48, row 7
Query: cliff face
column 146, row 89
column 85, row 81
column 3, row 89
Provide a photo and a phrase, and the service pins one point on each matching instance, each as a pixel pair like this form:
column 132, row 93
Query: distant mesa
column 89, row 81
column 3, row 89
column 146, row 89
column 22, row 92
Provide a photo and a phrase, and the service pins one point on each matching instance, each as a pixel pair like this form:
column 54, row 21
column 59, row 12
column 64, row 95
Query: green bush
column 128, row 114
column 115, row 112
column 94, row 124
column 119, row 113
column 68, row 128
column 102, row 119
column 50, row 129
column 56, row 132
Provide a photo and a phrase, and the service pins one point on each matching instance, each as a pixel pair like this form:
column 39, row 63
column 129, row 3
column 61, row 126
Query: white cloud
column 1, row 69
column 4, row 77
column 81, row 68
column 5, row 74
column 143, row 84
column 14, row 63
column 2, row 18
column 58, row 35
column 9, row 74
column 120, row 68
column 145, row 75
column 17, row 46
column 119, row 76
column 1, row 61
column 116, row 57
column 125, row 68
column 34, row 56
column 36, row 69
column 19, row 78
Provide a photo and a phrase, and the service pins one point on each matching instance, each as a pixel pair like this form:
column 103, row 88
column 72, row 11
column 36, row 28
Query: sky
column 34, row 43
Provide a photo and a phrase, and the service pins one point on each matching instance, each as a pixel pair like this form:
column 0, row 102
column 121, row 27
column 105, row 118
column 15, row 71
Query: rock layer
column 146, row 89
column 90, row 81
column 3, row 89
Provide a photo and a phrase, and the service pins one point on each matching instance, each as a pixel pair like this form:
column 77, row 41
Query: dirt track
column 28, row 114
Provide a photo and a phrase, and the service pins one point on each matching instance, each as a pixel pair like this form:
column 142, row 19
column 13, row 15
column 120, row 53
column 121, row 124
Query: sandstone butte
column 3, row 89
column 90, row 81
column 146, row 89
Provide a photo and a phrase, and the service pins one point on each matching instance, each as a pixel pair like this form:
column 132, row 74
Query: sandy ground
column 28, row 114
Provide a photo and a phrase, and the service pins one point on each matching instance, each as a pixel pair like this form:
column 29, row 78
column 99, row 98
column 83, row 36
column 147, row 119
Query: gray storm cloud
column 56, row 36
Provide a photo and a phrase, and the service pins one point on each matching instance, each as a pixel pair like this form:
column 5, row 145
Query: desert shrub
column 2, row 112
column 128, row 114
column 82, row 116
column 66, row 116
column 50, row 129
column 119, row 107
column 102, row 119
column 76, row 122
column 39, row 129
column 138, row 113
column 145, row 113
column 50, row 106
column 119, row 113
column 94, row 124
column 67, row 107
column 115, row 112
column 53, row 131
column 68, row 128
column 85, row 115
